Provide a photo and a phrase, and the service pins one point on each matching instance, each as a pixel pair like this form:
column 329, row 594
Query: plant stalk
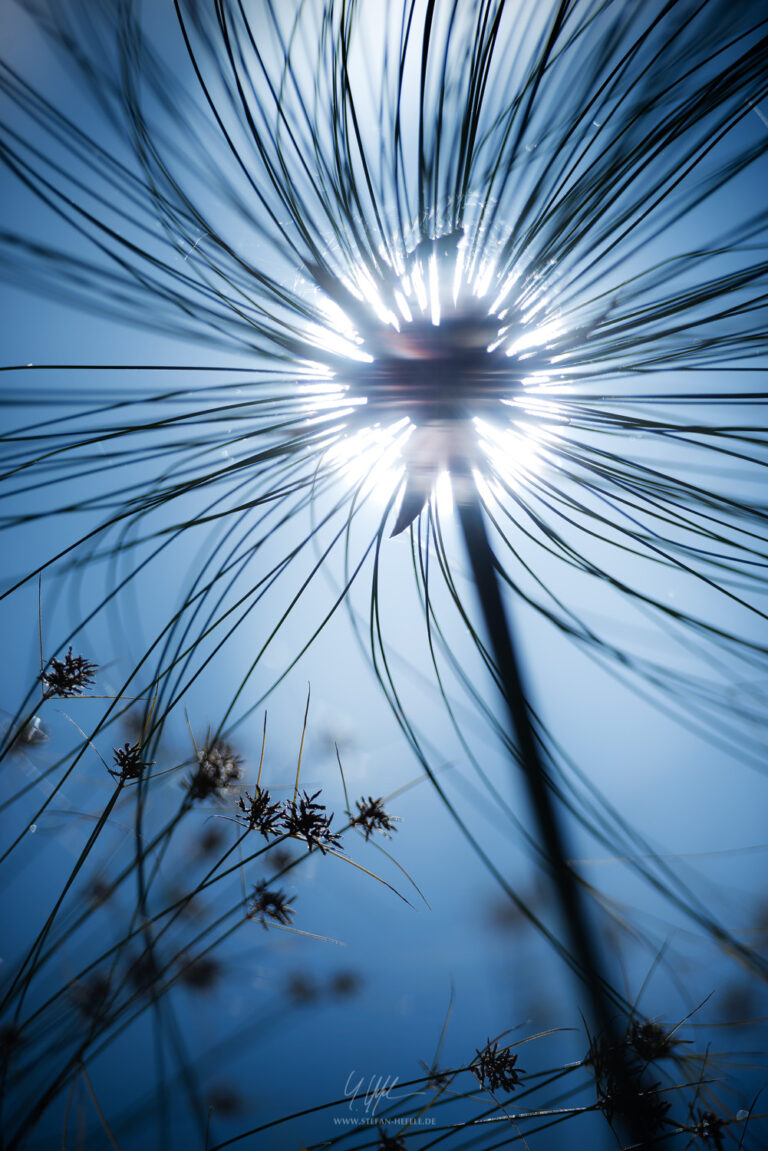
column 542, row 798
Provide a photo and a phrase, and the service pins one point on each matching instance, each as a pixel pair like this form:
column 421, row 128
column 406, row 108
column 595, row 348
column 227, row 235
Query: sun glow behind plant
column 424, row 354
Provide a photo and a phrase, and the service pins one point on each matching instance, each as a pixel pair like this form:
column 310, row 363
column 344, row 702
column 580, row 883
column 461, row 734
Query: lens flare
column 433, row 382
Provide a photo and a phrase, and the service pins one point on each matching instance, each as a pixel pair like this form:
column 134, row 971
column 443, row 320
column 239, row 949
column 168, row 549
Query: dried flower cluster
column 267, row 904
column 11, row 1038
column 259, row 813
column 219, row 767
column 90, row 995
column 623, row 1091
column 201, row 974
column 144, row 971
column 438, row 1080
column 650, row 1041
column 345, row 984
column 371, row 817
column 390, row 1142
column 129, row 762
column 68, row 677
column 300, row 817
column 305, row 819
column 495, row 1069
column 709, row 1128
column 637, row 1104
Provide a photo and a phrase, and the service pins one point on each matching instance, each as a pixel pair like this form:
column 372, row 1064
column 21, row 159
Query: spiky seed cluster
column 622, row 1089
column 129, row 762
column 11, row 1038
column 90, row 995
column 650, row 1041
column 225, row 1100
column 98, row 891
column 144, row 971
column 211, row 841
column 302, row 988
column 301, row 817
column 306, row 820
column 68, row 677
column 202, row 974
column 259, row 813
column 634, row 1101
column 345, row 983
column 371, row 817
column 708, row 1127
column 219, row 767
column 280, row 858
column 438, row 1080
column 390, row 1142
column 497, row 1070
column 267, row 904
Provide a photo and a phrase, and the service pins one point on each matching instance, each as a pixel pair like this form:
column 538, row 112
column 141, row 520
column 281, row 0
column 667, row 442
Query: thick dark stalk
column 568, row 891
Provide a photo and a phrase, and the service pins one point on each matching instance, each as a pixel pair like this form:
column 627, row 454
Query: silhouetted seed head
column 345, row 983
column 622, row 1089
column 708, row 1127
column 644, row 1110
column 623, row 1093
column 129, row 763
column 497, row 1070
column 390, row 1142
column 133, row 724
column 268, row 904
column 68, row 677
column 438, row 1080
column 306, row 820
column 650, row 1041
column 280, row 858
column 210, row 841
column 258, row 813
column 738, row 1002
column 506, row 915
column 302, row 988
column 143, row 971
column 11, row 1038
column 98, row 891
column 186, row 900
column 90, row 995
column 219, row 767
column 202, row 974
column 371, row 817
column 225, row 1100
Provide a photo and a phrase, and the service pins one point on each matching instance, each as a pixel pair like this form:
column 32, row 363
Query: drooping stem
column 543, row 801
